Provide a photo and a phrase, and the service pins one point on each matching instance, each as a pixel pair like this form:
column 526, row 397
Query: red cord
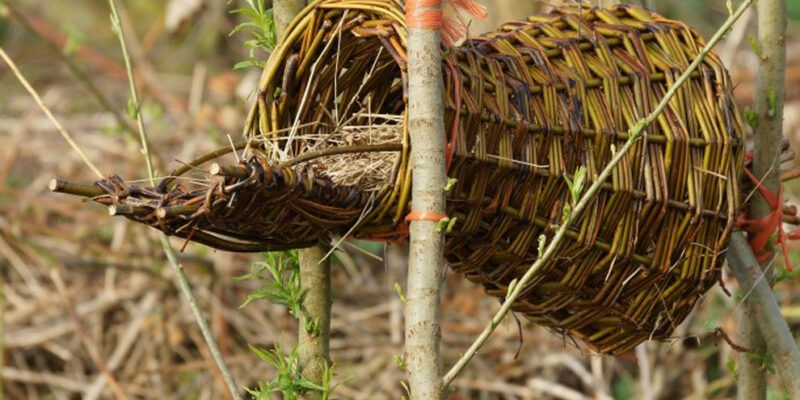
column 761, row 229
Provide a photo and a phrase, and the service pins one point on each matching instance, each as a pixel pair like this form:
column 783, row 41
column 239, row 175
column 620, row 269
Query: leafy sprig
column 259, row 23
column 280, row 273
column 290, row 382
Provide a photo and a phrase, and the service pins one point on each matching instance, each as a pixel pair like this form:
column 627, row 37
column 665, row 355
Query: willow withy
column 326, row 154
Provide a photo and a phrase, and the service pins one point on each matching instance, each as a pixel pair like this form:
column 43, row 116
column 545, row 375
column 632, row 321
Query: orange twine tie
column 424, row 14
column 427, row 14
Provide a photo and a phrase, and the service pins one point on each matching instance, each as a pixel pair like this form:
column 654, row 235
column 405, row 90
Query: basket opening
column 339, row 104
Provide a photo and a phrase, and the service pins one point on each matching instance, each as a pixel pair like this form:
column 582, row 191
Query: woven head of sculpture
column 326, row 152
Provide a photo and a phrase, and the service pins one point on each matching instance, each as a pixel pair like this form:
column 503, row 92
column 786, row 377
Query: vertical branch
column 315, row 268
column 766, row 317
column 183, row 281
column 315, row 324
column 766, row 166
column 426, row 128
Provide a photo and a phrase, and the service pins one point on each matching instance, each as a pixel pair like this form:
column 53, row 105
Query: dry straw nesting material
column 327, row 154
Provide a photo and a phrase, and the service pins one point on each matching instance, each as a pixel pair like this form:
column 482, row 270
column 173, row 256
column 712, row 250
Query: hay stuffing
column 369, row 171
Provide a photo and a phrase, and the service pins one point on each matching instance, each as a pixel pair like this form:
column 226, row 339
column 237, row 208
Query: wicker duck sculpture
column 327, row 154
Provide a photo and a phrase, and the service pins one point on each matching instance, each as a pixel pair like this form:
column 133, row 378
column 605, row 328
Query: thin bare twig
column 66, row 135
column 183, row 281
column 517, row 287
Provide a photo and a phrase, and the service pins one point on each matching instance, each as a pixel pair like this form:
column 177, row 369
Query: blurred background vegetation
column 124, row 300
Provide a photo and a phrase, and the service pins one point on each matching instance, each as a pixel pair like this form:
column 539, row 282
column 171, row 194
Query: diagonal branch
column 764, row 312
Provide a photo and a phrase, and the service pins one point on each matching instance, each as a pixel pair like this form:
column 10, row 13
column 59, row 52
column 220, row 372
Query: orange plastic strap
column 424, row 14
column 761, row 229
column 425, row 216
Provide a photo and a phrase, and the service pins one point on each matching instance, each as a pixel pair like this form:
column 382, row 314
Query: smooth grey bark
column 425, row 262
column 764, row 312
column 766, row 167
column 284, row 12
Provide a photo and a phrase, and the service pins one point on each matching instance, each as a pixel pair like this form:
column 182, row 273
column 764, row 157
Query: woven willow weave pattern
column 526, row 107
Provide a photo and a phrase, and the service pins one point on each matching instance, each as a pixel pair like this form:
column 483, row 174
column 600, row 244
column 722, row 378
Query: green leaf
column 244, row 64
column 75, row 40
column 542, row 242
column 751, row 117
column 312, row 327
column 624, row 388
column 567, row 213
column 451, row 225
column 132, row 109
column 259, row 24
column 400, row 362
column 115, row 27
column 451, row 182
column 289, row 382
column 511, row 286
column 399, row 290
column 781, row 274
column 281, row 275
column 732, row 368
column 580, row 180
column 570, row 185
column 772, row 97
column 754, row 45
column 442, row 225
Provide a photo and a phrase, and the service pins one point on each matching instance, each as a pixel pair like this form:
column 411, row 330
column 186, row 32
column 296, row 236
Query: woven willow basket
column 327, row 154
